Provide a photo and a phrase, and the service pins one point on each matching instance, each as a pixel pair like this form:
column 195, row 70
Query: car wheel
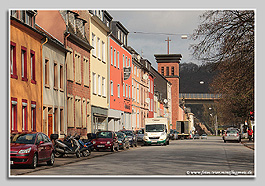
column 34, row 163
column 112, row 149
column 86, row 153
column 118, row 148
column 51, row 161
column 135, row 144
column 224, row 141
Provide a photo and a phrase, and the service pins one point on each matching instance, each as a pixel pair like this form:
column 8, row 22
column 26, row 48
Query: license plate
column 101, row 146
column 11, row 162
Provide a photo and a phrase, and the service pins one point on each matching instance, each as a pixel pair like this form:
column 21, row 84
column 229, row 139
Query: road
column 209, row 157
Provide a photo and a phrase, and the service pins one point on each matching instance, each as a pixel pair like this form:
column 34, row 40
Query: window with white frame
column 118, row 57
column 123, row 89
column 118, row 86
column 111, row 55
column 103, row 51
column 115, row 62
column 98, row 47
column 103, row 82
column 111, row 87
column 129, row 92
column 99, row 85
column 94, row 44
column 94, row 80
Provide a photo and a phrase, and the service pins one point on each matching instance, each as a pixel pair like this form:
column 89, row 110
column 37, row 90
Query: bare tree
column 226, row 38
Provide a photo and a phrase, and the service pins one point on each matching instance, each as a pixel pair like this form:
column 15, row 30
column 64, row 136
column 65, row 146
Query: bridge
column 198, row 98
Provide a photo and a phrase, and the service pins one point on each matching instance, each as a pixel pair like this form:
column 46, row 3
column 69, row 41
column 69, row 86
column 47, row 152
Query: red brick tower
column 168, row 66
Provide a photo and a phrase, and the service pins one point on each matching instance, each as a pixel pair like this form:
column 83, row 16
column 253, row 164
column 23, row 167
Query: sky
column 155, row 27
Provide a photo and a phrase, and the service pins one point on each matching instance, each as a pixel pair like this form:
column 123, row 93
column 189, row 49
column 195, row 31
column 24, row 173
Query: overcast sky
column 159, row 21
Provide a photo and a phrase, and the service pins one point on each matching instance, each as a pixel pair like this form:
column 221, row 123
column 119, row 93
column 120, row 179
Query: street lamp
column 216, row 122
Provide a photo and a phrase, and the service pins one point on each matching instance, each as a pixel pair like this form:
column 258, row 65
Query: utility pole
column 167, row 44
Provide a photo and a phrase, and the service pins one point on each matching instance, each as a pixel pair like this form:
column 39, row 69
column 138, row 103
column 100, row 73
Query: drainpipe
column 41, row 48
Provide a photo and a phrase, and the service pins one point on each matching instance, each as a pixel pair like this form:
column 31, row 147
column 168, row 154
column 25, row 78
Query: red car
column 106, row 140
column 31, row 148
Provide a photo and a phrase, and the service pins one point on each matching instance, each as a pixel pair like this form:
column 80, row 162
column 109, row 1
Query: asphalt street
column 209, row 157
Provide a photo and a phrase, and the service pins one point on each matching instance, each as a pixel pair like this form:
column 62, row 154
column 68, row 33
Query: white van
column 156, row 131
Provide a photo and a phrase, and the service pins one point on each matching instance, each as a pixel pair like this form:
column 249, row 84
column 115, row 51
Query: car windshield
column 155, row 128
column 128, row 133
column 120, row 135
column 24, row 138
column 139, row 132
column 104, row 135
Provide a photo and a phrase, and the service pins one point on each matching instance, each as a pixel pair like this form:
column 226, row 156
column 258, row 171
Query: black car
column 123, row 140
column 131, row 136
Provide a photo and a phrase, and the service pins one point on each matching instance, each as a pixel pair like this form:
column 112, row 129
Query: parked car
column 131, row 136
column 140, row 135
column 106, row 140
column 175, row 135
column 204, row 136
column 31, row 148
column 171, row 134
column 231, row 135
column 123, row 140
column 196, row 136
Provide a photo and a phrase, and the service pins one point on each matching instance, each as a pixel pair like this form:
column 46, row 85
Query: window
column 13, row 63
column 23, row 16
column 78, row 116
column 33, row 67
column 118, row 57
column 115, row 62
column 99, row 85
column 94, row 83
column 126, row 61
column 135, row 70
column 103, row 87
column 93, row 44
column 24, row 63
column 46, row 73
column 86, row 71
column 84, row 113
column 118, row 86
column 129, row 92
column 98, row 47
column 62, row 121
column 111, row 56
column 126, row 90
column 33, row 116
column 167, row 72
column 172, row 71
column 129, row 61
column 13, row 114
column 61, row 78
column 111, row 88
column 55, row 76
column 70, row 111
column 162, row 70
column 24, row 115
column 70, row 65
column 56, row 120
column 149, row 85
column 77, row 68
column 103, row 51
column 123, row 60
column 138, row 93
column 123, row 89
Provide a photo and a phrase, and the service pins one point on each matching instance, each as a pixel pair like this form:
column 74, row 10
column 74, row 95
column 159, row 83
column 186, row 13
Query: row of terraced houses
column 72, row 71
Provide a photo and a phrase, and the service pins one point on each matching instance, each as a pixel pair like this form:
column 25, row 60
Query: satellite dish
column 147, row 100
column 145, row 76
column 165, row 101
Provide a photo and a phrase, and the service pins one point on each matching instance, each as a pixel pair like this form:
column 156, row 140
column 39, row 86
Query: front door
column 50, row 125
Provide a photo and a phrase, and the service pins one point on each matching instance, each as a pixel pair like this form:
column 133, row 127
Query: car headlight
column 25, row 151
column 94, row 142
column 108, row 142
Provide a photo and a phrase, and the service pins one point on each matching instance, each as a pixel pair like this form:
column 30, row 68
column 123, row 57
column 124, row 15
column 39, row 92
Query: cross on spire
column 167, row 44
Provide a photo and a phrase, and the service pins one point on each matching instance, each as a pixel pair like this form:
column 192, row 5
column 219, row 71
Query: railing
column 199, row 96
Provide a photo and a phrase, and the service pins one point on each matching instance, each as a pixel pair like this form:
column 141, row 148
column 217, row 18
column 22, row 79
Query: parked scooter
column 69, row 146
column 85, row 146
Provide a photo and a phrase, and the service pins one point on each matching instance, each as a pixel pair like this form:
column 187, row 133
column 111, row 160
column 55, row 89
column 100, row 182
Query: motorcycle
column 85, row 146
column 69, row 146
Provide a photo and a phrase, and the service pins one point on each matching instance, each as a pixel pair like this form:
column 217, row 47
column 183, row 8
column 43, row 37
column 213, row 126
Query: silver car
column 231, row 135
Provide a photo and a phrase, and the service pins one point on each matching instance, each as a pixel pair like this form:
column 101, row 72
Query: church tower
column 168, row 66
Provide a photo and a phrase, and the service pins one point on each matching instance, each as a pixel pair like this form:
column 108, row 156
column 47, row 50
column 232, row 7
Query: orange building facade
column 25, row 73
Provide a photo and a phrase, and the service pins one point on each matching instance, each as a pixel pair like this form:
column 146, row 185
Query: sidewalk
column 249, row 144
